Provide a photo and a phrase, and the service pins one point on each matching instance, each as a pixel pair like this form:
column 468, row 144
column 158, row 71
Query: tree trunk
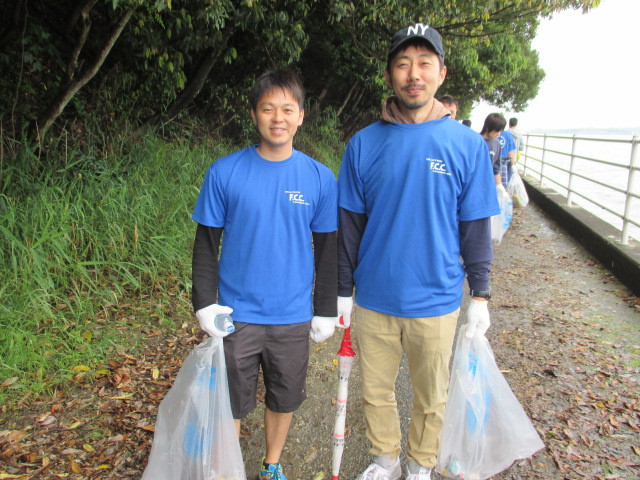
column 83, row 13
column 347, row 98
column 75, row 83
column 319, row 99
column 187, row 96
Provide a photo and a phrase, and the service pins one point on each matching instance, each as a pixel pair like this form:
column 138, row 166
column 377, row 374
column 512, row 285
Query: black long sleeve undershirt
column 204, row 267
column 475, row 248
column 204, row 270
column 476, row 252
column 350, row 234
column 325, row 253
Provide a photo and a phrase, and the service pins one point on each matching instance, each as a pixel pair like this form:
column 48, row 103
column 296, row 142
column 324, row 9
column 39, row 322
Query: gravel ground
column 565, row 332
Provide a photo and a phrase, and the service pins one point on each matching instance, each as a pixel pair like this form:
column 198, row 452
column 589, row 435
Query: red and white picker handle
column 346, row 359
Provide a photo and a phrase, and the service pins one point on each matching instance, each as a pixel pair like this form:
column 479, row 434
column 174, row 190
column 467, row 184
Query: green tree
column 94, row 68
column 487, row 42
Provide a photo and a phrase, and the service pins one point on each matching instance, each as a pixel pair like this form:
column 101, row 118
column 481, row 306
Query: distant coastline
column 589, row 131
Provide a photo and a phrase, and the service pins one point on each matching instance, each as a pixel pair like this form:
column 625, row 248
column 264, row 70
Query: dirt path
column 565, row 332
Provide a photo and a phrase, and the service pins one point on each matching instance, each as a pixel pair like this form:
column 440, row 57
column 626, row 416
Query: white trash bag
column 517, row 190
column 195, row 436
column 500, row 223
column 485, row 428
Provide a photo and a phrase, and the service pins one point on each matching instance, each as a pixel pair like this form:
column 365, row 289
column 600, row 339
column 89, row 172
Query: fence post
column 633, row 161
column 544, row 150
column 526, row 150
column 571, row 165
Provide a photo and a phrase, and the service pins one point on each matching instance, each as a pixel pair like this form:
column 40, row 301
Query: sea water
column 614, row 175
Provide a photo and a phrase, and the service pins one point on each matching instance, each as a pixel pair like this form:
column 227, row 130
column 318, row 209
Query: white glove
column 345, row 307
column 322, row 328
column 477, row 318
column 206, row 318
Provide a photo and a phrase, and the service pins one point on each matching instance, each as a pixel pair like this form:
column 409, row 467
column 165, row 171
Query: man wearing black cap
column 416, row 195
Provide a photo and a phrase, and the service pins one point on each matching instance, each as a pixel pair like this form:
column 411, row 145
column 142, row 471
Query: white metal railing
column 610, row 184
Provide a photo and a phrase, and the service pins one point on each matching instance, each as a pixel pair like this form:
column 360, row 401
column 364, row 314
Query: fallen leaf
column 46, row 419
column 88, row 448
column 81, row 368
column 71, row 451
column 121, row 397
column 155, row 373
column 311, row 456
column 319, row 476
column 9, row 381
column 75, row 468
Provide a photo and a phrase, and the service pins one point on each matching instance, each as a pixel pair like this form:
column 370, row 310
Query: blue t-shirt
column 507, row 143
column 415, row 182
column 268, row 211
column 494, row 153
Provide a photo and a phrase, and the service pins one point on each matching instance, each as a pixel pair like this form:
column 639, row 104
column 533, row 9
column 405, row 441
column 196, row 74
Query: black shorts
column 283, row 353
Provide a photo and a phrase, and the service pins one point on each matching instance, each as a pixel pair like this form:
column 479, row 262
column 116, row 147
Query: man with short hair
column 277, row 271
column 416, row 195
column 493, row 125
column 451, row 103
column 517, row 136
column 507, row 156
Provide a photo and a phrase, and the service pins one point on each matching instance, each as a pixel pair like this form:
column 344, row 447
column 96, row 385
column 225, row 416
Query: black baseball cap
column 419, row 30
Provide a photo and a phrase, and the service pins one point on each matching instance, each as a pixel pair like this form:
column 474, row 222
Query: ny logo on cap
column 417, row 29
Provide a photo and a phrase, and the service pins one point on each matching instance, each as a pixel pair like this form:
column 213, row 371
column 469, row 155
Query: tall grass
column 85, row 236
column 101, row 231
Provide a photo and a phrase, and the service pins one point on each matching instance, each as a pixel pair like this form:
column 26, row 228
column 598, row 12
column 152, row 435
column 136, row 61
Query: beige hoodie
column 391, row 111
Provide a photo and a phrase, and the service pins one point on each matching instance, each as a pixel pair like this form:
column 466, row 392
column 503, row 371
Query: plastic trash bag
column 516, row 189
column 500, row 223
column 485, row 428
column 195, row 436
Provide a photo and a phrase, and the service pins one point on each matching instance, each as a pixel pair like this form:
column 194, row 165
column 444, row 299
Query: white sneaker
column 417, row 472
column 423, row 474
column 376, row 471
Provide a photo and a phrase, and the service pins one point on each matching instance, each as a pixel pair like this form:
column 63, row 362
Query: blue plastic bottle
column 195, row 442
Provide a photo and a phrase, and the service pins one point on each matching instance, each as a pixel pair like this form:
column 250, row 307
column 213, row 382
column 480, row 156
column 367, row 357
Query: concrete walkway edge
column 594, row 234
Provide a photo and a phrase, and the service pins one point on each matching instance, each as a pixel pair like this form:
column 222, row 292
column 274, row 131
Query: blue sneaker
column 273, row 472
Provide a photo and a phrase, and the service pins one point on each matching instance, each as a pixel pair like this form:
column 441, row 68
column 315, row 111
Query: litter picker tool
column 346, row 359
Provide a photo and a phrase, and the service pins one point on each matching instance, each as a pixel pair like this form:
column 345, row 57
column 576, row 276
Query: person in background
column 277, row 208
column 416, row 195
column 507, row 156
column 451, row 104
column 493, row 125
column 517, row 136
column 466, row 122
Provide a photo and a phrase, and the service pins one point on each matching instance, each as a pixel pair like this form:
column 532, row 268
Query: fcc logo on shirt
column 295, row 196
column 437, row 166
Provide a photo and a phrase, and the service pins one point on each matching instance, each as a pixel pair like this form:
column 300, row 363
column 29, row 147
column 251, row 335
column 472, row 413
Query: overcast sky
column 592, row 71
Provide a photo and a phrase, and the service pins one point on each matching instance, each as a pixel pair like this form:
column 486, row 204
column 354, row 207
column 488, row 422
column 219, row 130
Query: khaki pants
column 427, row 343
